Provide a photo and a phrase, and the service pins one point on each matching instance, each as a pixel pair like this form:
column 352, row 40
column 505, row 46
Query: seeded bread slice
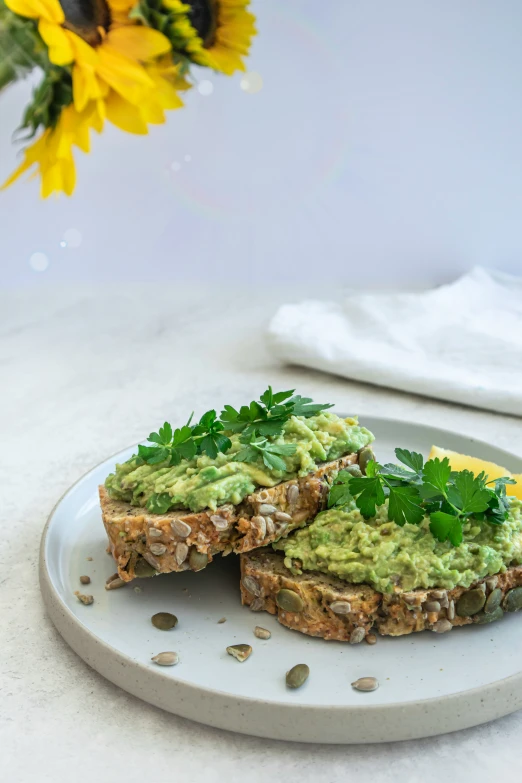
column 144, row 544
column 320, row 605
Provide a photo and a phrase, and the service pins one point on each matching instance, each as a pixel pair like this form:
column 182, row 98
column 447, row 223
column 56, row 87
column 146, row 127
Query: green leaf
column 159, row 504
column 412, row 459
column 160, row 455
column 147, row 451
column 154, row 437
column 222, row 442
column 271, row 427
column 396, row 472
column 208, row 446
column 468, row 493
column 279, row 397
column 165, row 434
column 304, row 406
column 446, row 527
column 437, row 473
column 182, row 435
column 368, row 494
column 405, row 506
column 285, row 449
column 248, row 454
column 273, row 461
column 186, row 450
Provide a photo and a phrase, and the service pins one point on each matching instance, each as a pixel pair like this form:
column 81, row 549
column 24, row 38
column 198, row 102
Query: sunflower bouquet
column 119, row 61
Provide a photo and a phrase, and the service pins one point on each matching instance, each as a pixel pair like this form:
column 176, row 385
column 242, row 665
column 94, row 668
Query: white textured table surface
column 85, row 373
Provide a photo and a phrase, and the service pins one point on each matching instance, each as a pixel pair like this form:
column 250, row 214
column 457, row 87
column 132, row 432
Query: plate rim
column 425, row 715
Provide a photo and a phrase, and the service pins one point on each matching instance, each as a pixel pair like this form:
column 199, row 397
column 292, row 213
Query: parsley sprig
column 415, row 489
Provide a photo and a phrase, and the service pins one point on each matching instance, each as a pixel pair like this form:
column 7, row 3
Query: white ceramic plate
column 429, row 683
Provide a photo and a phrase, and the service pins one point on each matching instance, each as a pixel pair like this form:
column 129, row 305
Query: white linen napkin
column 460, row 342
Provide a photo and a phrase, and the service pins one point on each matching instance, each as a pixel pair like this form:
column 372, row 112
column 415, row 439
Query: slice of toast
column 144, row 544
column 320, row 605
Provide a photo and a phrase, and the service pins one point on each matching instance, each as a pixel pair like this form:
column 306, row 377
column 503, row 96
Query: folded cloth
column 460, row 342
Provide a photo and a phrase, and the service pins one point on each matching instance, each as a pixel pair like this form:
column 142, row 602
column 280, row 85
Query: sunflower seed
column 371, row 639
column 492, row 582
column 158, row 549
column 259, row 526
column 431, row 606
column 85, row 580
column 166, row 659
column 451, row 610
column 292, row 493
column 86, row 600
column 289, row 600
column 114, row 583
column 257, row 605
column 442, row 626
column 180, row 528
column 164, row 621
column 220, row 523
column 482, row 586
column 239, row 651
column 251, row 585
column 222, row 620
column 262, row 633
column 282, row 516
column 366, row 684
column 270, row 527
column 341, row 607
column 197, row 560
column 267, row 508
column 297, row 675
column 155, row 533
column 444, row 601
column 357, row 635
column 151, row 560
column 181, row 552
column 437, row 594
column 410, row 599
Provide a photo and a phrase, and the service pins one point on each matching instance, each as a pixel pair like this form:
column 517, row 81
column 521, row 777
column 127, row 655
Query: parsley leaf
column 271, row 453
column 436, row 474
column 412, row 459
column 340, row 494
column 446, row 527
column 468, row 492
column 368, row 493
column 405, row 505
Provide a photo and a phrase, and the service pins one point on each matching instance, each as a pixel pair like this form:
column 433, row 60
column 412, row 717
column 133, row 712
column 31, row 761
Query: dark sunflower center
column 203, row 17
column 84, row 17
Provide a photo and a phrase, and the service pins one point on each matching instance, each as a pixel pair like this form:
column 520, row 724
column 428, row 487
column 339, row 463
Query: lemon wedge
column 493, row 471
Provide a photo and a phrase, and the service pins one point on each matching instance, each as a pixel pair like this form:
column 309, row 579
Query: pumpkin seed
column 353, row 470
column 371, row 639
column 488, row 617
column 251, row 585
column 431, row 606
column 470, row 603
column 85, row 580
column 180, row 528
column 442, row 626
column 292, row 493
column 181, row 552
column 239, row 651
column 262, row 633
column 267, row 508
column 513, row 600
column 86, row 600
column 219, row 522
column 158, row 549
column 289, row 600
column 155, row 533
column 282, row 516
column 341, row 607
column 493, row 600
column 197, row 560
column 365, row 456
column 164, row 621
column 297, row 675
column 366, row 684
column 357, row 635
column 166, row 659
column 142, row 568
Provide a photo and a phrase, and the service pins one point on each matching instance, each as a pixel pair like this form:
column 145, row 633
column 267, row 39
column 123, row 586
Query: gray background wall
column 384, row 147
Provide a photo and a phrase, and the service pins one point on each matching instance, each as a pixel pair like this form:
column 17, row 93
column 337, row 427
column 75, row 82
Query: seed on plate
column 282, row 516
column 470, row 603
column 114, row 582
column 442, row 626
column 85, row 580
column 513, row 600
column 197, row 560
column 166, row 658
column 366, row 684
column 431, row 606
column 89, row 558
column 289, row 600
column 86, row 600
column 222, row 620
column 488, row 617
column 219, row 522
column 239, row 651
column 262, row 633
column 371, row 639
column 357, row 635
column 180, row 528
column 493, row 600
column 164, row 621
column 267, row 508
column 155, row 533
column 138, row 589
column 158, row 549
column 297, row 675
column 181, row 552
column 143, row 568
column 341, row 607
column 292, row 493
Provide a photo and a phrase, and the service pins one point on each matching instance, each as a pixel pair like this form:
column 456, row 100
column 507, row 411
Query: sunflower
column 52, row 152
column 213, row 33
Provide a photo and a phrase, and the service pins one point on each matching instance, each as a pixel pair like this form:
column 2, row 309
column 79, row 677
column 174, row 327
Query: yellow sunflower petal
column 50, row 10
column 86, row 86
column 126, row 77
column 57, row 39
column 124, row 115
column 152, row 113
column 138, row 43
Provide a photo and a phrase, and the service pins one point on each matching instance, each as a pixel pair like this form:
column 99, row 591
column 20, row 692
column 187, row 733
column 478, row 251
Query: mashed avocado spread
column 384, row 555
column 208, row 483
